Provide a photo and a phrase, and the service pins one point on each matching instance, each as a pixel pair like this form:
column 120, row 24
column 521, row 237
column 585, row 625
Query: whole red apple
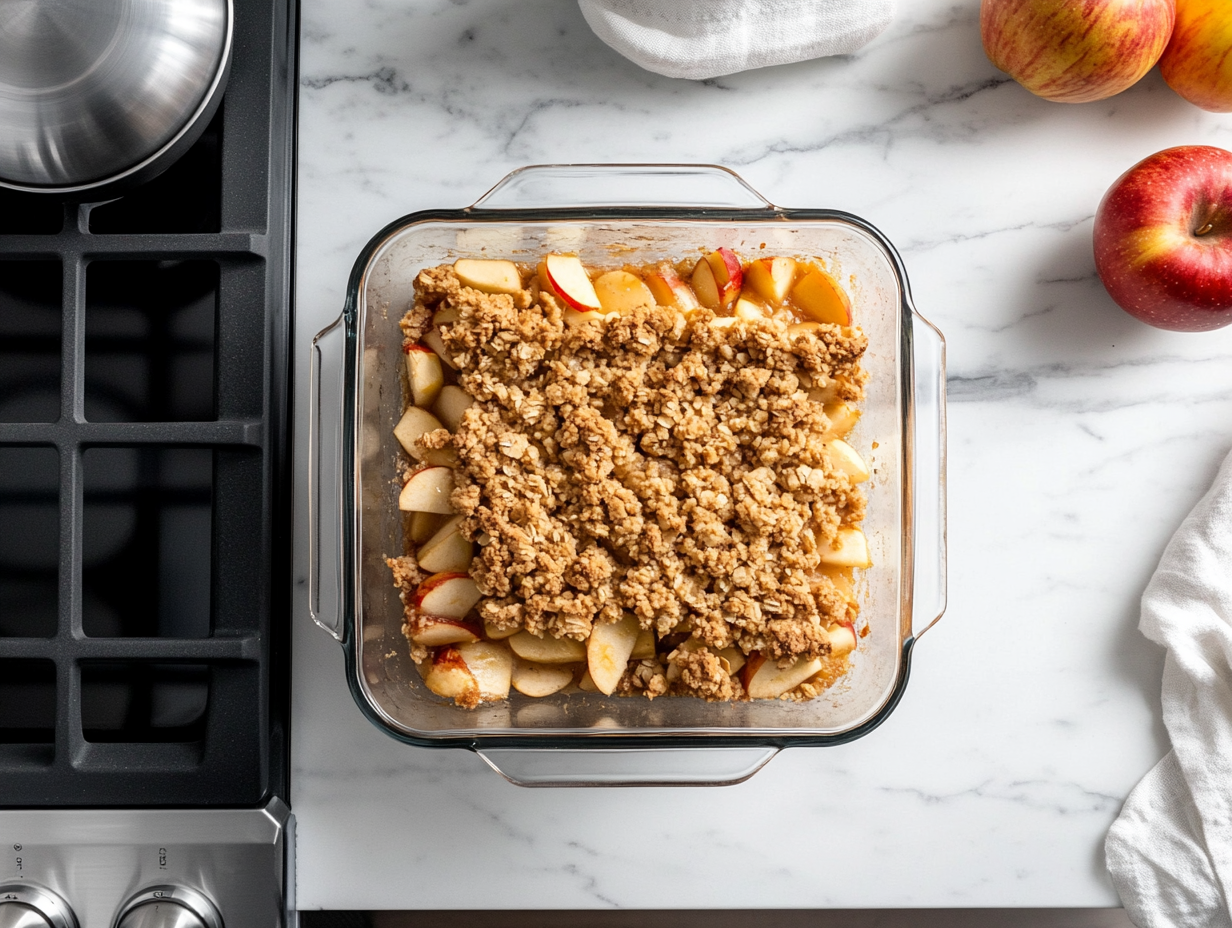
column 1163, row 239
column 1075, row 51
column 1197, row 63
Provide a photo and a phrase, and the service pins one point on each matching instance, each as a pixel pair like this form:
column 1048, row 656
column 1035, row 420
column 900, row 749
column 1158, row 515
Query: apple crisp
column 650, row 500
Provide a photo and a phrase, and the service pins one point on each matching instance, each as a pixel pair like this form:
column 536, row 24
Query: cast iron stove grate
column 143, row 641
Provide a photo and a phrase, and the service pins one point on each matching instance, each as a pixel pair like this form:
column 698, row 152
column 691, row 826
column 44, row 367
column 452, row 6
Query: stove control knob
column 24, row 905
column 167, row 907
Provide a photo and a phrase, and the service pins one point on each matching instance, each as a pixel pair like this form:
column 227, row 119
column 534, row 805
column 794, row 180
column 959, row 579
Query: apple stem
column 1206, row 228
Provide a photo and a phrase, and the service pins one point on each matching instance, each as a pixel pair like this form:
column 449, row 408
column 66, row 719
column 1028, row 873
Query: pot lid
column 91, row 90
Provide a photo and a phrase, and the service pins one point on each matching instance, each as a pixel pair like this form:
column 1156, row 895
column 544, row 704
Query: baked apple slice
column 539, row 680
column 432, row 338
column 451, row 404
column 491, row 664
column 843, row 418
column 850, row 549
column 848, row 460
column 448, row 675
column 644, row 646
column 428, row 490
column 819, row 297
column 423, row 371
column 764, row 679
column 749, row 310
column 717, row 278
column 423, row 525
column 843, row 638
column 436, row 630
column 547, row 650
column 448, row 551
column 571, row 282
column 488, row 275
column 669, row 290
column 622, row 292
column 414, row 425
column 771, row 278
column 608, row 650
column 493, row 633
column 448, row 594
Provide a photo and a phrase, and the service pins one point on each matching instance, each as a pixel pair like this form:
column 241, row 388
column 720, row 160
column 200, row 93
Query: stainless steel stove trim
column 46, row 903
column 196, row 903
column 103, row 861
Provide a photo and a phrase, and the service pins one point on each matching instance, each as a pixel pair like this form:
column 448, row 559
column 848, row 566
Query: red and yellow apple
column 1197, row 63
column 1163, row 239
column 1075, row 51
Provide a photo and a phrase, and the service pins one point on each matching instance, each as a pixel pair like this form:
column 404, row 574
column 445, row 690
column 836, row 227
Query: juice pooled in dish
column 632, row 481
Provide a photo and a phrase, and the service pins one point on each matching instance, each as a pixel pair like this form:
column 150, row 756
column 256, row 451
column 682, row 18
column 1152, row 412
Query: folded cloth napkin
column 699, row 39
column 1170, row 850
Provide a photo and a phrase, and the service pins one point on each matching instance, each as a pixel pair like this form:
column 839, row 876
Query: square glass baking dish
column 612, row 215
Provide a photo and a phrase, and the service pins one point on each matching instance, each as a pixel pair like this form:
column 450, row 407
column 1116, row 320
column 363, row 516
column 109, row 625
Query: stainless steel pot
column 96, row 95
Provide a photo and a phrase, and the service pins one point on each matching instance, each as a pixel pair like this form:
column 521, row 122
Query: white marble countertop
column 1078, row 439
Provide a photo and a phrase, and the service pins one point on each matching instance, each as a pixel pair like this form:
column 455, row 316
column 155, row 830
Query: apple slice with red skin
column 771, row 278
column 1163, row 239
column 436, row 630
column 571, row 282
column 608, row 650
column 448, row 551
column 491, row 664
column 447, row 594
column 819, row 297
column 428, row 490
column 848, row 460
column 539, row 680
column 451, row 404
column 416, row 423
column 669, row 290
column 423, row 370
column 448, row 675
column 488, row 275
column 764, row 679
column 547, row 650
column 850, row 549
column 717, row 278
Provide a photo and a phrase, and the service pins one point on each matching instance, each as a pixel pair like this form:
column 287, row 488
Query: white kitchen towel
column 1170, row 850
column 699, row 39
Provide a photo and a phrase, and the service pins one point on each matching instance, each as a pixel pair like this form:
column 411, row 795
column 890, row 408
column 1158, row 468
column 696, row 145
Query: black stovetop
column 143, row 454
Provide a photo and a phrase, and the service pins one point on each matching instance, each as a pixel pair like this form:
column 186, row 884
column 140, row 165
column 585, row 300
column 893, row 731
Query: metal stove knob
column 167, row 907
column 23, row 905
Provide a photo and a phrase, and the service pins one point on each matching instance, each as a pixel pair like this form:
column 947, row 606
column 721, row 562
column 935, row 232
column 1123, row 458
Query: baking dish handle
column 627, row 766
column 325, row 390
column 543, row 186
column 928, row 496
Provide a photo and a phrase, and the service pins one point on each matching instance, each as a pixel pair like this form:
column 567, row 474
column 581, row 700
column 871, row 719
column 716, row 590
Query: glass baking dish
column 611, row 215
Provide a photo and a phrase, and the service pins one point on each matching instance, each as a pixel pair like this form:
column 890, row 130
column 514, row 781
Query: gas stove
column 143, row 560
